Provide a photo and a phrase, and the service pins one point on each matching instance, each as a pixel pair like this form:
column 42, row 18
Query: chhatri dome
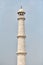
column 21, row 10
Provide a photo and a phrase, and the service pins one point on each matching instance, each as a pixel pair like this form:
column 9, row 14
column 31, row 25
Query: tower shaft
column 21, row 52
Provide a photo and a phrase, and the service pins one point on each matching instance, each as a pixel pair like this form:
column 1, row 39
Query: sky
column 33, row 30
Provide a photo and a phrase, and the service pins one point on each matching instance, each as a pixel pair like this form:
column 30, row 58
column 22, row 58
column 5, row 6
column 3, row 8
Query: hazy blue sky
column 33, row 26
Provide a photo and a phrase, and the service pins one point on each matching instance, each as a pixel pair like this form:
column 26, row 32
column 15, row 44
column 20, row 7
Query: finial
column 21, row 7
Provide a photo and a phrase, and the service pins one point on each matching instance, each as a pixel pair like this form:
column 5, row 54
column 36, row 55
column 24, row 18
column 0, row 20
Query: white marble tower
column 21, row 51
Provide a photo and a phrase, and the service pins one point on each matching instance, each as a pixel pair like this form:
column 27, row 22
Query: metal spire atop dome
column 21, row 6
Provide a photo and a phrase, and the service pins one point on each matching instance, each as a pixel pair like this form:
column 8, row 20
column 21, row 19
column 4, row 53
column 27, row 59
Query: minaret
column 21, row 52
